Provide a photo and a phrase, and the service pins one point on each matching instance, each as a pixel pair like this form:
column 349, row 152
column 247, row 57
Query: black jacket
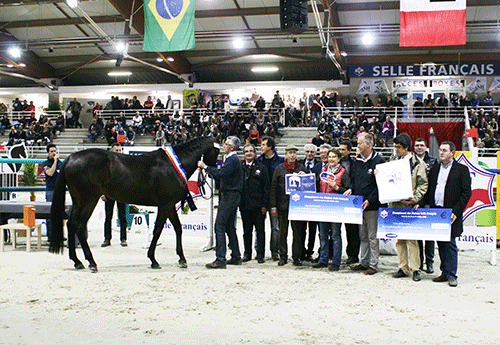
column 363, row 180
column 256, row 183
column 457, row 193
column 278, row 198
column 230, row 175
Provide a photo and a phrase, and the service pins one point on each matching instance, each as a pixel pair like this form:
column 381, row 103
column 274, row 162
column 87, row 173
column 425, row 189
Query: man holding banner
column 408, row 250
column 449, row 187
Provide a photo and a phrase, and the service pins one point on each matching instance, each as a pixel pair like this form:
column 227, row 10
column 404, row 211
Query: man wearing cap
column 279, row 202
column 230, row 176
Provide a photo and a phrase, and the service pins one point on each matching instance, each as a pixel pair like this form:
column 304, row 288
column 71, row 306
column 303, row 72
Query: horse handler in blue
column 230, row 177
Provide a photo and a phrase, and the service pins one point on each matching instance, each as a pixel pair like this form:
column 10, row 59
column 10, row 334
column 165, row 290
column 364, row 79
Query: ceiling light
column 159, row 59
column 15, row 52
column 10, row 66
column 265, row 69
column 121, row 47
column 22, row 64
column 171, row 59
column 238, row 43
column 367, row 39
column 119, row 74
column 72, row 3
column 264, row 56
column 344, row 54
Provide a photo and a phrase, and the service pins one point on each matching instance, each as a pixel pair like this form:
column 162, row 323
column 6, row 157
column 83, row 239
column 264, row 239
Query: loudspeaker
column 293, row 16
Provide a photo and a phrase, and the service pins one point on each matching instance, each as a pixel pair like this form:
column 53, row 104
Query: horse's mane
column 190, row 144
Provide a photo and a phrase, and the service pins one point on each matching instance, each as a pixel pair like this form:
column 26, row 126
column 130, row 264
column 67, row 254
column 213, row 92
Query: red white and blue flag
column 431, row 23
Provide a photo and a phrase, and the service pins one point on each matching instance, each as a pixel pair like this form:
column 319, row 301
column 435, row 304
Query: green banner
column 168, row 25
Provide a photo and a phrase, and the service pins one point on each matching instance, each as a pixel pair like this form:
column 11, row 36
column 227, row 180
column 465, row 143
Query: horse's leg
column 71, row 241
column 81, row 233
column 159, row 224
column 174, row 219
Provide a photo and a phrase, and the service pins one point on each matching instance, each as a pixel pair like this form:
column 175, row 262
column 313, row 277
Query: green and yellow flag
column 168, row 25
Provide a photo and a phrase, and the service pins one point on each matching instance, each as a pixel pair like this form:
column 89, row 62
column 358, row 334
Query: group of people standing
column 257, row 186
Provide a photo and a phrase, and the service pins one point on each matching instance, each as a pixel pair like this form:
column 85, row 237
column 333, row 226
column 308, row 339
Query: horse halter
column 202, row 181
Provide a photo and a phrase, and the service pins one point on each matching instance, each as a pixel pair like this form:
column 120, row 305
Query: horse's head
column 211, row 153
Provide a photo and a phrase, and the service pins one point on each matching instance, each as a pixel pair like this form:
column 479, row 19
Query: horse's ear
column 218, row 138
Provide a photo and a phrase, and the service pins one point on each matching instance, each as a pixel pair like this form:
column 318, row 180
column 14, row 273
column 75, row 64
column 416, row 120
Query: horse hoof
column 79, row 266
column 93, row 269
column 183, row 264
column 155, row 266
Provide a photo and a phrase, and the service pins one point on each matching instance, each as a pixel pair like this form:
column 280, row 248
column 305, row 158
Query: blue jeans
column 275, row 231
column 225, row 222
column 448, row 253
column 49, row 195
column 327, row 230
column 314, row 117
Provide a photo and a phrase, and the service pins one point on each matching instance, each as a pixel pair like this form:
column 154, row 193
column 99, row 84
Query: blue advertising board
column 326, row 207
column 300, row 183
column 430, row 224
column 383, row 71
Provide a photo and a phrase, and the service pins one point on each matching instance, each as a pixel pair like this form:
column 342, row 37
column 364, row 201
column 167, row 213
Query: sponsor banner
column 430, row 224
column 326, row 207
column 478, row 238
column 495, row 85
column 477, row 86
column 192, row 226
column 378, row 71
column 300, row 183
column 372, row 86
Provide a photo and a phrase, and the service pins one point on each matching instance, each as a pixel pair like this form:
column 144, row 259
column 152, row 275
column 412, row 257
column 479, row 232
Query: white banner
column 372, row 86
column 477, row 86
column 495, row 85
column 478, row 237
column 455, row 84
column 409, row 84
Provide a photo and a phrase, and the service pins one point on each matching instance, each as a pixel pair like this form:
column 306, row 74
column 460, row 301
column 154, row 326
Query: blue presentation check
column 326, row 207
column 430, row 224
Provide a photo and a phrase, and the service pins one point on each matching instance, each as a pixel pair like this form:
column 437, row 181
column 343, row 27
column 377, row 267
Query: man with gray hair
column 230, row 176
column 363, row 183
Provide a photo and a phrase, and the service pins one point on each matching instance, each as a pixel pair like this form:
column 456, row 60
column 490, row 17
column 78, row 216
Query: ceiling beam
column 20, row 24
column 394, row 5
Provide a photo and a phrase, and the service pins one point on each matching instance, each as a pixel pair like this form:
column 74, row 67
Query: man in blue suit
column 230, row 177
column 449, row 187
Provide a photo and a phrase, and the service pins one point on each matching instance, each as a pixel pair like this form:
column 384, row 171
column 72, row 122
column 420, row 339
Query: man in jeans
column 231, row 184
column 51, row 168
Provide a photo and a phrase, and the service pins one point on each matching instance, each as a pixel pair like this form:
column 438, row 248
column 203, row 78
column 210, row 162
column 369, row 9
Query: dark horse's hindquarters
column 149, row 179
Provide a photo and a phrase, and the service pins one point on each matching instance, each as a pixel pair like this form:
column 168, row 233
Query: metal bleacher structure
column 73, row 139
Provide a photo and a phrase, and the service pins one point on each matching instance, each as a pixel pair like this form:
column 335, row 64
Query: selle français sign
column 426, row 70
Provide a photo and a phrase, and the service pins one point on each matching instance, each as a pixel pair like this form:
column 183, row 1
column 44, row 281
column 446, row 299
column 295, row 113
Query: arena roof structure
column 72, row 46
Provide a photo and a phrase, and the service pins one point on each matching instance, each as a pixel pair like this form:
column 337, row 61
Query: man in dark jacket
column 230, row 177
column 363, row 183
column 270, row 159
column 254, row 202
column 352, row 230
column 75, row 108
column 279, row 201
column 420, row 146
column 449, row 187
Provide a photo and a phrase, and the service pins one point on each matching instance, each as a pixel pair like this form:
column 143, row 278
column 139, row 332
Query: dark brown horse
column 150, row 179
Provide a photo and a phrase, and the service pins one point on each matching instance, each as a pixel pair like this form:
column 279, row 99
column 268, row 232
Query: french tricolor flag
column 430, row 23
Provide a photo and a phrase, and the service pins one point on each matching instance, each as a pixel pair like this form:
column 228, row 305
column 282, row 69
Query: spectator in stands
column 488, row 100
column 30, row 135
column 442, row 103
column 315, row 110
column 75, row 108
column 380, row 103
column 97, row 108
column 3, row 109
column 318, row 140
column 5, row 123
column 159, row 104
column 116, row 104
column 253, row 136
column 148, row 104
column 260, row 105
column 59, row 125
column 136, row 104
column 30, row 108
column 388, row 129
column 170, row 103
column 160, row 137
column 94, row 130
column 475, row 101
column 367, row 102
column 418, row 107
column 137, row 123
column 322, row 127
column 111, row 136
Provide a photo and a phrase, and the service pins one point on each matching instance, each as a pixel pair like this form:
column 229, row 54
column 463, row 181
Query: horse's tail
column 57, row 211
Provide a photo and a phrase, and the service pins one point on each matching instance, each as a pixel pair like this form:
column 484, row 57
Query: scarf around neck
column 291, row 169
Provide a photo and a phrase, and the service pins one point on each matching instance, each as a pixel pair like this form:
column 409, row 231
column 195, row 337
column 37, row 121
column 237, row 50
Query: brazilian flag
column 168, row 25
